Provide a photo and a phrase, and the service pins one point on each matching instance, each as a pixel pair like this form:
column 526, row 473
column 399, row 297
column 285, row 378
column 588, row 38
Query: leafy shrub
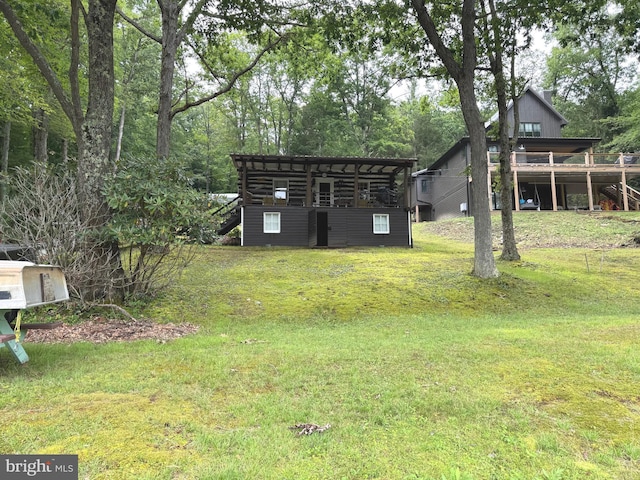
column 157, row 218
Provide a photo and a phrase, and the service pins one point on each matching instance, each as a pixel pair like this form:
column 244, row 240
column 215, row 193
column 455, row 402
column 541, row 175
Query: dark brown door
column 323, row 229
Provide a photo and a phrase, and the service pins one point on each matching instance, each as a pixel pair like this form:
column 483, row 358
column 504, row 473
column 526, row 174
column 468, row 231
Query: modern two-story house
column 321, row 201
column 550, row 172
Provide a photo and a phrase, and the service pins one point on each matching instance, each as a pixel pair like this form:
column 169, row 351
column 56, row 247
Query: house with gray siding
column 550, row 172
column 321, row 201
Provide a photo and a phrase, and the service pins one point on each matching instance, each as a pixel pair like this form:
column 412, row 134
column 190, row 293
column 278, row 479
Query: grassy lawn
column 422, row 371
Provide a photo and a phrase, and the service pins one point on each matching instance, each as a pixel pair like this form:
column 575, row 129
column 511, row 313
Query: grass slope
column 423, row 371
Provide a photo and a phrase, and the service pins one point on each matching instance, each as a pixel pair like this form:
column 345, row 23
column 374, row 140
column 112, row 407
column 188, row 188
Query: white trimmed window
column 271, row 222
column 380, row 223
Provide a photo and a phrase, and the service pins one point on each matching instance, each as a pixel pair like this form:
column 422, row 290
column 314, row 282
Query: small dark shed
column 322, row 201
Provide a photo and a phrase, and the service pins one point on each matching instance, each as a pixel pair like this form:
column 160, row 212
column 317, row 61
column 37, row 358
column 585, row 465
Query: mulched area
column 103, row 330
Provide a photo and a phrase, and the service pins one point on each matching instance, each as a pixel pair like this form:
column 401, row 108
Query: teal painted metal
column 14, row 346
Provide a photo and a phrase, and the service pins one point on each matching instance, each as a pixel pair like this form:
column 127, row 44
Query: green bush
column 157, row 216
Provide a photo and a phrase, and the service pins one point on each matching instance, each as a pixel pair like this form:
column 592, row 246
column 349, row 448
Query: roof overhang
column 557, row 145
column 318, row 165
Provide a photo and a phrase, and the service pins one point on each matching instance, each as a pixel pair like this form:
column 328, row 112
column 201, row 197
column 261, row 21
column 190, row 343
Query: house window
column 380, row 223
column 425, row 184
column 280, row 189
column 529, row 129
column 271, row 222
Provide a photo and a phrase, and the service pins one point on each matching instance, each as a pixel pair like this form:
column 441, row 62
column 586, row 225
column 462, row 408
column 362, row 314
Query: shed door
column 323, row 229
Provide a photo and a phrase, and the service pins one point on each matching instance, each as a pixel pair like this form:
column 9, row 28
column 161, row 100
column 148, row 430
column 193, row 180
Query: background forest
column 312, row 94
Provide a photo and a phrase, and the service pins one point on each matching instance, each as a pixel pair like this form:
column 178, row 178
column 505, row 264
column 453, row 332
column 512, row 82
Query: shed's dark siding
column 313, row 228
column 347, row 227
column 294, row 226
column 355, row 227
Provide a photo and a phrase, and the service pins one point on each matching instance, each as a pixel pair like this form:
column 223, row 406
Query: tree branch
column 74, row 84
column 231, row 82
column 270, row 23
column 115, row 307
column 137, row 26
column 428, row 25
column 195, row 12
column 40, row 62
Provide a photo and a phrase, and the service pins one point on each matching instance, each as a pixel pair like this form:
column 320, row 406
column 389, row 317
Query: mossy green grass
column 422, row 371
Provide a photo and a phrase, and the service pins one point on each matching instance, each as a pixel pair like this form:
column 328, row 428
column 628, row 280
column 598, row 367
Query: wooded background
column 327, row 87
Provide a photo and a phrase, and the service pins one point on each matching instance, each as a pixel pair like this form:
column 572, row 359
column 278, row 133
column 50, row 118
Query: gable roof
column 540, row 98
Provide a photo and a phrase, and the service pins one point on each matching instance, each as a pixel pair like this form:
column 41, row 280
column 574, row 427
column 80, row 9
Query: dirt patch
column 103, row 330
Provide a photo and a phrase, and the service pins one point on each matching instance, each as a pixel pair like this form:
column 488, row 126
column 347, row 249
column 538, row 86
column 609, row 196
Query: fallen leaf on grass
column 251, row 341
column 309, row 428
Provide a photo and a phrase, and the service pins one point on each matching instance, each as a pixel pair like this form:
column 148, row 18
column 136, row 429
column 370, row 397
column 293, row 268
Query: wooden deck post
column 405, row 183
column 245, row 194
column 356, row 187
column 309, row 193
column 554, row 194
column 625, row 193
column 589, row 190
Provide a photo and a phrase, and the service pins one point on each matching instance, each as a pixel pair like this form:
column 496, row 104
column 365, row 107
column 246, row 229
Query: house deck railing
column 629, row 195
column 383, row 197
column 598, row 170
column 568, row 159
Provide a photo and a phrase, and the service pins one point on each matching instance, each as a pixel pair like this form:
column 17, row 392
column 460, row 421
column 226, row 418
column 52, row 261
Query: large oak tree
column 92, row 126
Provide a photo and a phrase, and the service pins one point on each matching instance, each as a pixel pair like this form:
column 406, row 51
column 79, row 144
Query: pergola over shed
column 345, row 180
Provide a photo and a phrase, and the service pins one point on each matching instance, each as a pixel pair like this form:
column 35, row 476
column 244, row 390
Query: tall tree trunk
column 170, row 41
column 515, row 98
column 495, row 51
column 4, row 160
column 484, row 262
column 484, row 265
column 461, row 66
column 40, row 136
column 95, row 143
column 509, row 247
column 94, row 146
column 93, row 130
